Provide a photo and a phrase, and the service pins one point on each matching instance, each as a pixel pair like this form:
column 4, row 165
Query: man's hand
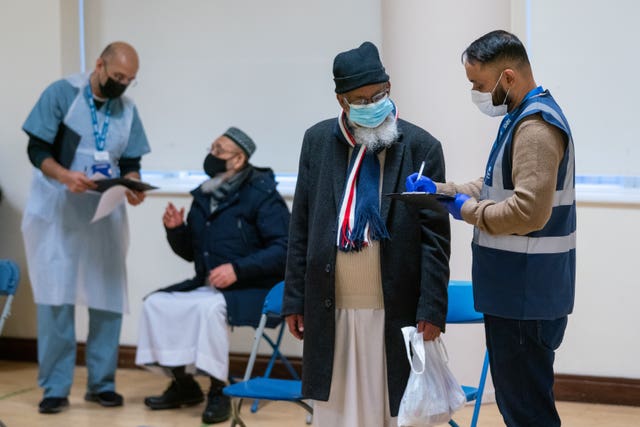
column 295, row 322
column 455, row 206
column 135, row 197
column 429, row 331
column 77, row 182
column 172, row 217
column 222, row 276
column 424, row 184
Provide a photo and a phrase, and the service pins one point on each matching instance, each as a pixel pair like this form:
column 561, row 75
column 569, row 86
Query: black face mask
column 214, row 165
column 112, row 89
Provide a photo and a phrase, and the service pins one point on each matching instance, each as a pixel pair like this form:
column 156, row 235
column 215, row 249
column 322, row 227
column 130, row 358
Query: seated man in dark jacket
column 236, row 235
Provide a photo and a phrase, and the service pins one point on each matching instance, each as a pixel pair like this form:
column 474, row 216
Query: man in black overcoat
column 361, row 266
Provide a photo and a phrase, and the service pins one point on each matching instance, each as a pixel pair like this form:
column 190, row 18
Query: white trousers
column 185, row 328
column 359, row 395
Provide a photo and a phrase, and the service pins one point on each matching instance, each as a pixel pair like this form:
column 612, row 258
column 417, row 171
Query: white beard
column 378, row 138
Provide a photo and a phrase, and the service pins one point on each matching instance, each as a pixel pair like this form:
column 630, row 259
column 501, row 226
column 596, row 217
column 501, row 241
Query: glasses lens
column 378, row 97
column 364, row 101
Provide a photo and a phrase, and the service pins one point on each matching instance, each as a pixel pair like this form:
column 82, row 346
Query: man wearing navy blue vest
column 524, row 214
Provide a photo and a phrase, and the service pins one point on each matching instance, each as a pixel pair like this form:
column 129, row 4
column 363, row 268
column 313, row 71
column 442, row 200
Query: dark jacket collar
column 262, row 179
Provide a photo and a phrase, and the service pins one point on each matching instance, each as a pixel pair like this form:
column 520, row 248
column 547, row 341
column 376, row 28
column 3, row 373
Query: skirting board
column 575, row 388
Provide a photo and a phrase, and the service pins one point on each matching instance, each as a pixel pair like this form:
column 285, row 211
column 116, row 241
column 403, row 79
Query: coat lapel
column 339, row 160
column 392, row 167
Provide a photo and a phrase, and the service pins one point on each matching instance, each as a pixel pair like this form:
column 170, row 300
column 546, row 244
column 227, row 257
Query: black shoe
column 52, row 405
column 106, row 398
column 218, row 407
column 183, row 393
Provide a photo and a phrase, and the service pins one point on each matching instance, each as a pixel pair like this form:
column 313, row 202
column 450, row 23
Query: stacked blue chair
column 9, row 279
column 265, row 388
column 461, row 311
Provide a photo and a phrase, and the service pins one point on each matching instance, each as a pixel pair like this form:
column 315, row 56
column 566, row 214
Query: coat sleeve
column 272, row 225
column 436, row 248
column 180, row 241
column 293, row 300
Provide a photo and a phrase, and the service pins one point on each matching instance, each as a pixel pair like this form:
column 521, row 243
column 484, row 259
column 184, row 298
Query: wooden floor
column 19, row 397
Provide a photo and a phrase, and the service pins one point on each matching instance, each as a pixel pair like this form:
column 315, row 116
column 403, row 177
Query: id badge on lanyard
column 101, row 158
column 101, row 163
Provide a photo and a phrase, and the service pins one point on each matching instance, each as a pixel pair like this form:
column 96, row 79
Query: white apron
column 70, row 260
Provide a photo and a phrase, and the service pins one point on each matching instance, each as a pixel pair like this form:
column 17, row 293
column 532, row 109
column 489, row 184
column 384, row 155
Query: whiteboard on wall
column 586, row 54
column 265, row 67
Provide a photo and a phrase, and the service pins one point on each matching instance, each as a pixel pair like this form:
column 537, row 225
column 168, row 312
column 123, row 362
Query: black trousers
column 521, row 356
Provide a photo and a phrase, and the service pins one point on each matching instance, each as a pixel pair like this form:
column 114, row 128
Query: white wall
column 603, row 338
column 265, row 67
column 585, row 53
column 30, row 49
column 421, row 43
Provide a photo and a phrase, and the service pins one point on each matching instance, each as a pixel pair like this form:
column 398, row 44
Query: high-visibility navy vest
column 531, row 276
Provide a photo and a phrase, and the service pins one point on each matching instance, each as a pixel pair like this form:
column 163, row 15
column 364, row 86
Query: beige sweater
column 538, row 149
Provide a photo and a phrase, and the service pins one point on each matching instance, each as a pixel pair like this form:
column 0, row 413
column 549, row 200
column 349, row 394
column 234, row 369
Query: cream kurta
column 185, row 329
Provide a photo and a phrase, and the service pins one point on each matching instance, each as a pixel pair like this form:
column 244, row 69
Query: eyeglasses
column 121, row 78
column 364, row 101
column 217, row 150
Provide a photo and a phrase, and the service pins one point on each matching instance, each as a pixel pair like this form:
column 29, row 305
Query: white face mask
column 484, row 101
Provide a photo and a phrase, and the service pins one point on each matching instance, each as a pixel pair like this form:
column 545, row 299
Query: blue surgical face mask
column 371, row 115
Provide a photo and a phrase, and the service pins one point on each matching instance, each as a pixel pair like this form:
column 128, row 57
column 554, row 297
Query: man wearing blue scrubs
column 524, row 213
column 81, row 125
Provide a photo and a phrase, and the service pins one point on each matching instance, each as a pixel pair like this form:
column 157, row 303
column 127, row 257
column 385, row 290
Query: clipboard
column 421, row 199
column 105, row 184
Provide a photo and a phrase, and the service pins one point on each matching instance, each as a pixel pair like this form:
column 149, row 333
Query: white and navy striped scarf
column 359, row 219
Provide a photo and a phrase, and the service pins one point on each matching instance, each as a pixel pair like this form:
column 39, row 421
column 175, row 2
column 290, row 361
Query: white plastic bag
column 432, row 393
column 455, row 394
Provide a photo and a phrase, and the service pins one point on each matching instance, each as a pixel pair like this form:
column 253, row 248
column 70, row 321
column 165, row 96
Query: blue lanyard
column 504, row 125
column 100, row 136
column 506, row 121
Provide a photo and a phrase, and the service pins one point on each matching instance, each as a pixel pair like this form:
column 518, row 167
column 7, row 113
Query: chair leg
column 235, row 414
column 6, row 311
column 309, row 418
column 255, row 405
column 276, row 354
column 483, row 378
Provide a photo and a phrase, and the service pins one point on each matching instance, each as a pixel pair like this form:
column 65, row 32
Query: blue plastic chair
column 265, row 388
column 461, row 311
column 9, row 279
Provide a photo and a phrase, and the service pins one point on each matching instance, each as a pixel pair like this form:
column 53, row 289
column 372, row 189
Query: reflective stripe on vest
column 540, row 244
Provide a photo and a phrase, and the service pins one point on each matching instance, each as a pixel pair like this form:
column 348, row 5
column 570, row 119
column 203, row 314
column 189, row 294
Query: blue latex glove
column 454, row 206
column 423, row 184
